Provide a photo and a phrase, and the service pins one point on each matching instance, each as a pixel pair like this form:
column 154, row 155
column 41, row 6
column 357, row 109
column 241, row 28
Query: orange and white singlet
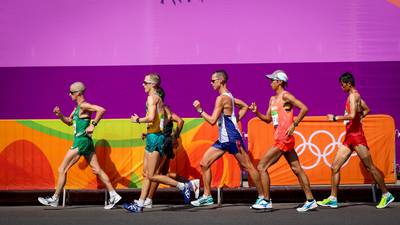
column 282, row 119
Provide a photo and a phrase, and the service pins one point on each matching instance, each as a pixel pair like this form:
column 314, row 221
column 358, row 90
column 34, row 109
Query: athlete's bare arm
column 211, row 119
column 88, row 109
column 287, row 97
column 179, row 124
column 64, row 119
column 152, row 101
column 364, row 109
column 243, row 107
column 267, row 117
column 354, row 100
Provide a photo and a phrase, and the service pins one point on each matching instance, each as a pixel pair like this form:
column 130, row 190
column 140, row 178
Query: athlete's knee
column 262, row 168
column 335, row 169
column 144, row 173
column 62, row 170
column 150, row 177
column 370, row 167
column 204, row 165
column 96, row 170
column 297, row 170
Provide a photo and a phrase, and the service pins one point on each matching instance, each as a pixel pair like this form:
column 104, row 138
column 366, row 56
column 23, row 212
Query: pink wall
column 146, row 32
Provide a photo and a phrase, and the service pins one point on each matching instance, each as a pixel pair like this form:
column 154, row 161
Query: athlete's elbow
column 305, row 110
column 212, row 122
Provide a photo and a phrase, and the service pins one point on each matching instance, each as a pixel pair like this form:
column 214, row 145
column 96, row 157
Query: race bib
column 275, row 120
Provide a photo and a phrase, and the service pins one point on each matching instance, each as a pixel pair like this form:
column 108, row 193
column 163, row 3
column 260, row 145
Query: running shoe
column 262, row 203
column 203, row 201
column 328, row 202
column 133, row 207
column 385, row 201
column 148, row 203
column 49, row 201
column 112, row 201
column 186, row 192
column 308, row 206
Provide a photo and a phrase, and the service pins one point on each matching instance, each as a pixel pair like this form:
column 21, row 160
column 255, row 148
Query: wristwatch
column 94, row 123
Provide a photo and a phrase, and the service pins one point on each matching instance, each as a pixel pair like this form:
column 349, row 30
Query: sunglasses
column 213, row 81
column 146, row 83
column 72, row 92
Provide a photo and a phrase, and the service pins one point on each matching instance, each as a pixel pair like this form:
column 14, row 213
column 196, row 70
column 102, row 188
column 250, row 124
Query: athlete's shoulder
column 153, row 98
column 287, row 95
column 84, row 105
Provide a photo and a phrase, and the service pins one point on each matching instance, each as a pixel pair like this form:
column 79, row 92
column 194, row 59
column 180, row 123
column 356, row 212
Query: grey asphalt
column 232, row 214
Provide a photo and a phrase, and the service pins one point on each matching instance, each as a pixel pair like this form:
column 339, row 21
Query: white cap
column 278, row 75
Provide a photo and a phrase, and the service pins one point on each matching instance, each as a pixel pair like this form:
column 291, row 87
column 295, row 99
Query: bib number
column 275, row 120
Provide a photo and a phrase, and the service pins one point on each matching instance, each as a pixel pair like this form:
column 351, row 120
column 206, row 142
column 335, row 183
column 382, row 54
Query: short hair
column 347, row 78
column 222, row 74
column 78, row 86
column 160, row 91
column 154, row 77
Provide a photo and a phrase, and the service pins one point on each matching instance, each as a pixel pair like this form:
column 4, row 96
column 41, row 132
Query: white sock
column 140, row 202
column 180, row 186
column 333, row 198
column 113, row 193
column 148, row 200
column 261, row 197
column 55, row 197
column 386, row 194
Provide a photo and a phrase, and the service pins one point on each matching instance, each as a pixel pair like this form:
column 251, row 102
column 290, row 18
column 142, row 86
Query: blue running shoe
column 132, row 207
column 203, row 201
column 186, row 193
column 308, row 206
column 262, row 203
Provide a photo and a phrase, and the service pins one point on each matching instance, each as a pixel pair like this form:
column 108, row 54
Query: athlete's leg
column 70, row 159
column 269, row 159
column 245, row 162
column 211, row 155
column 162, row 169
column 152, row 161
column 366, row 159
column 94, row 164
column 293, row 160
column 341, row 157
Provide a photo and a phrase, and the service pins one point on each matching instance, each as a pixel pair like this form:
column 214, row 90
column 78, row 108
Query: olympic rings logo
column 316, row 151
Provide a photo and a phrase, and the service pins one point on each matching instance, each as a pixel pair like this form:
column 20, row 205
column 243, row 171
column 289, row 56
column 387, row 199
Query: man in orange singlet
column 280, row 113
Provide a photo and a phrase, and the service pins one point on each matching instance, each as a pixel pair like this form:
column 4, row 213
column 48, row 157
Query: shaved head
column 77, row 87
column 221, row 74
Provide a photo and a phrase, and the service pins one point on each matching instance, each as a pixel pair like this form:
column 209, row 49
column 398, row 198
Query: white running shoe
column 49, row 201
column 148, row 203
column 307, row 206
column 112, row 201
column 262, row 203
column 195, row 187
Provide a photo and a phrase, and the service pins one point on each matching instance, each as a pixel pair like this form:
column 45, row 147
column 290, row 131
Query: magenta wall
column 110, row 45
column 146, row 32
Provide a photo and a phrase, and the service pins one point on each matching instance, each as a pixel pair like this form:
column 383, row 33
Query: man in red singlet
column 356, row 109
column 280, row 113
